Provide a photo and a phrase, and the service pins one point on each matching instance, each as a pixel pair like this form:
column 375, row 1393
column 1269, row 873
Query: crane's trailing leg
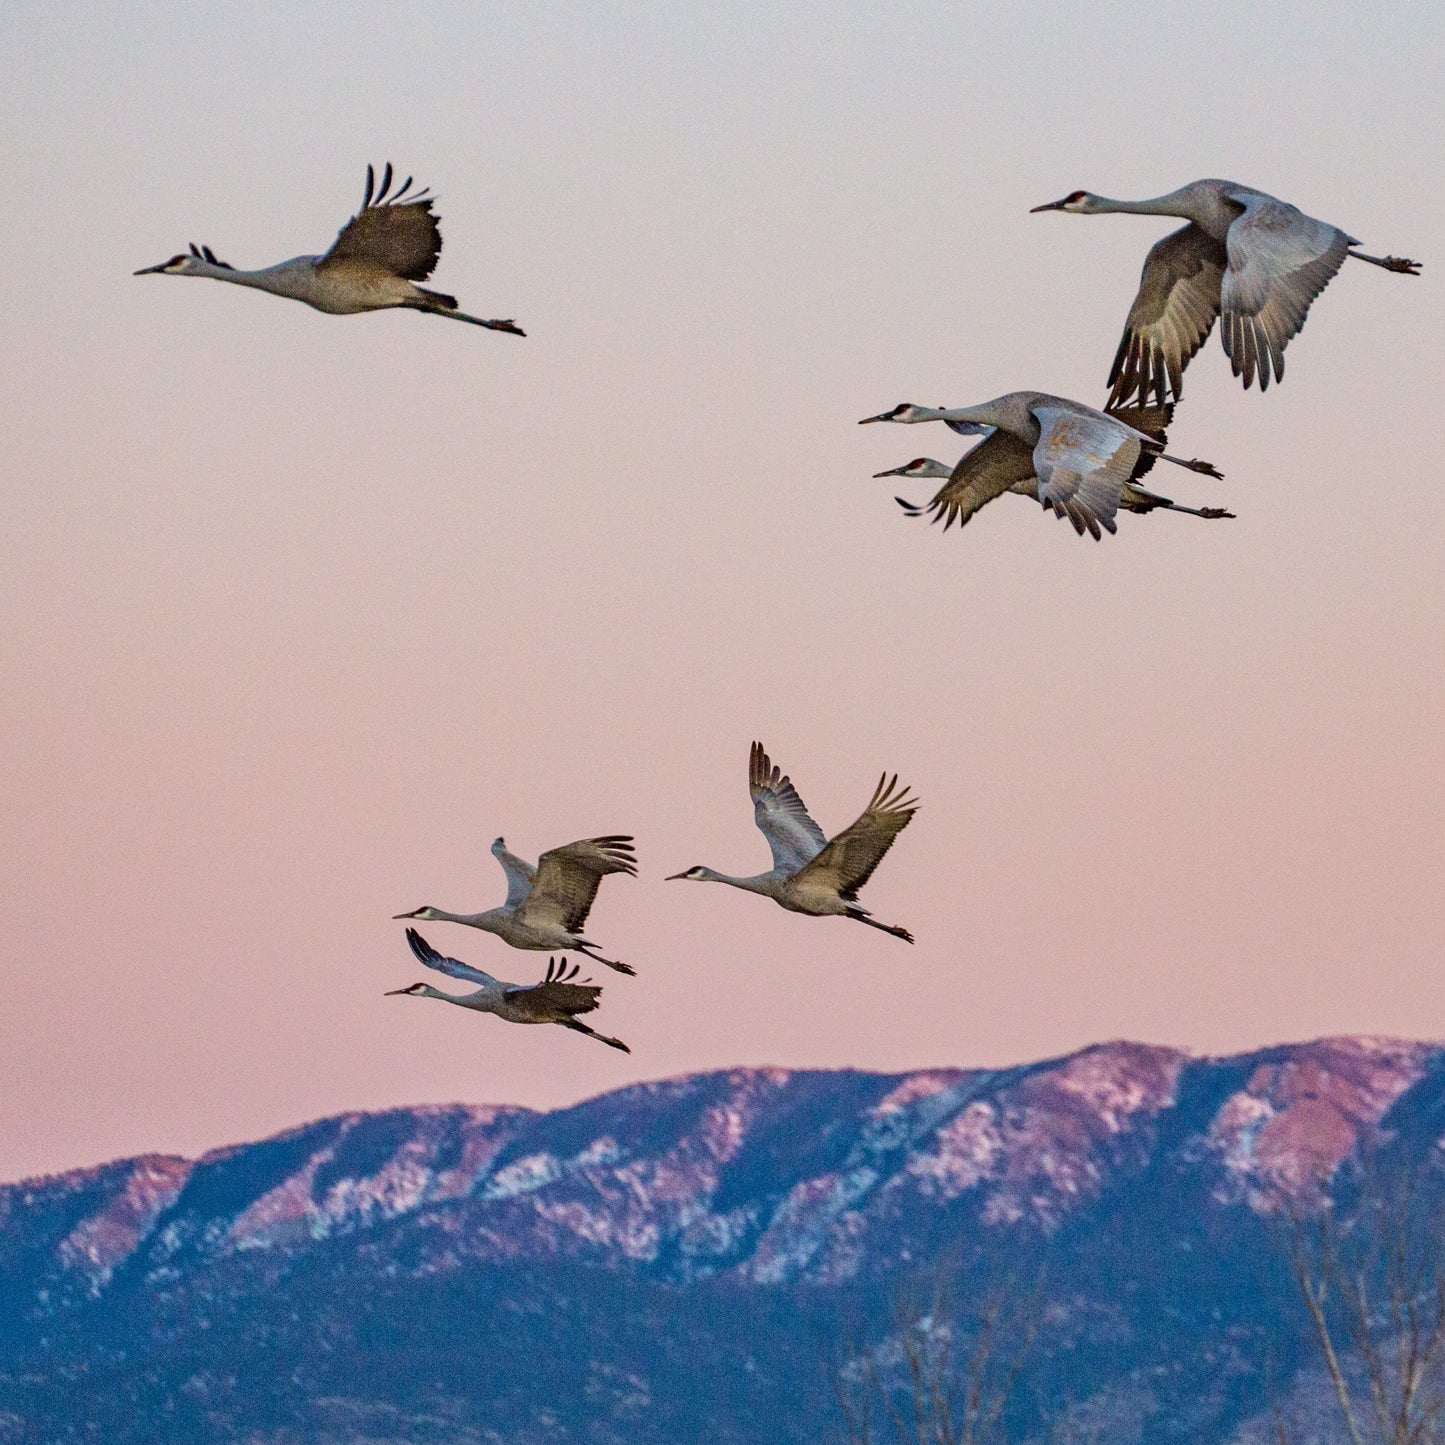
column 861, row 917
column 1211, row 514
column 585, row 949
column 436, row 304
column 1193, row 465
column 593, row 1034
column 1390, row 263
column 1145, row 501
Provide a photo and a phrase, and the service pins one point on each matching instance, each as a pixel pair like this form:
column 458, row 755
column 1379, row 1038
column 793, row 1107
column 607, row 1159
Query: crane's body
column 1075, row 460
column 546, row 906
column 1249, row 257
column 558, row 999
column 811, row 873
column 374, row 265
column 338, row 293
column 1134, row 498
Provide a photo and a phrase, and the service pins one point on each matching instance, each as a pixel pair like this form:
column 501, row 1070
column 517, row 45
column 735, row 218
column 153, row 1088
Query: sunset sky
column 298, row 612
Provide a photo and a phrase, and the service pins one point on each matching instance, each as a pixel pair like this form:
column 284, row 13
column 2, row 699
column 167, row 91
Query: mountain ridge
column 734, row 1212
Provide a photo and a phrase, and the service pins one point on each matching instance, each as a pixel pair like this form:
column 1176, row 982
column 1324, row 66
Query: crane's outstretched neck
column 1176, row 203
column 985, row 415
column 286, row 278
column 487, row 921
column 425, row 990
column 757, row 883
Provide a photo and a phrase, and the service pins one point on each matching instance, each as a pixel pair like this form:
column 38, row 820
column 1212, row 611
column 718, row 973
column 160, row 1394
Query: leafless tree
column 939, row 1376
column 1373, row 1287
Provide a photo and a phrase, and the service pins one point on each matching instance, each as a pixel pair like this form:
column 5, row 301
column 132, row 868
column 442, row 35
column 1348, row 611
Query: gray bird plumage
column 546, row 906
column 1257, row 261
column 1076, row 461
column 378, row 256
column 812, row 874
column 558, row 999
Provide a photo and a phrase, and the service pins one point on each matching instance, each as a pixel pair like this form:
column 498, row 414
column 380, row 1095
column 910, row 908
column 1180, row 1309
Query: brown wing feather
column 401, row 236
column 567, row 879
column 1153, row 421
column 852, row 856
column 989, row 470
column 556, row 995
column 1171, row 317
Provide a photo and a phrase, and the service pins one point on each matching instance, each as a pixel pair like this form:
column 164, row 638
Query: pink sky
column 300, row 612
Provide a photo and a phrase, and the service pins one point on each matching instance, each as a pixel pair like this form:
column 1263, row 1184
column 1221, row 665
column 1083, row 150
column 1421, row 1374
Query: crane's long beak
column 891, row 472
column 1052, row 206
column 673, row 876
column 415, row 913
column 150, row 270
column 391, row 992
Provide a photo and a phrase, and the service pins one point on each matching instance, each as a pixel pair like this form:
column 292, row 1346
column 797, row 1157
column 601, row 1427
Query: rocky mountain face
column 687, row 1260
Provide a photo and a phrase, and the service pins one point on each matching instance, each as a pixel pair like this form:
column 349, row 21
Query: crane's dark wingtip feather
column 420, row 946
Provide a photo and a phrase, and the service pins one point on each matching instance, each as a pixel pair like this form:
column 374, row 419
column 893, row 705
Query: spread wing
column 998, row 464
column 1279, row 260
column 781, row 815
column 400, row 236
column 1082, row 460
column 426, row 954
column 556, row 996
column 849, row 859
column 1171, row 317
column 567, row 879
column 519, row 873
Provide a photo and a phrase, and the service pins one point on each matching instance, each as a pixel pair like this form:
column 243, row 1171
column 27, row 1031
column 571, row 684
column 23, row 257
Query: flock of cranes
column 1255, row 261
column 1243, row 256
column 547, row 906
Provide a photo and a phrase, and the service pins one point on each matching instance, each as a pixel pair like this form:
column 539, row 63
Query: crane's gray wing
column 998, row 464
column 568, row 878
column 1083, row 459
column 1279, row 260
column 426, row 954
column 400, row 235
column 849, row 859
column 781, row 815
column 556, row 996
column 519, row 873
column 1171, row 317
